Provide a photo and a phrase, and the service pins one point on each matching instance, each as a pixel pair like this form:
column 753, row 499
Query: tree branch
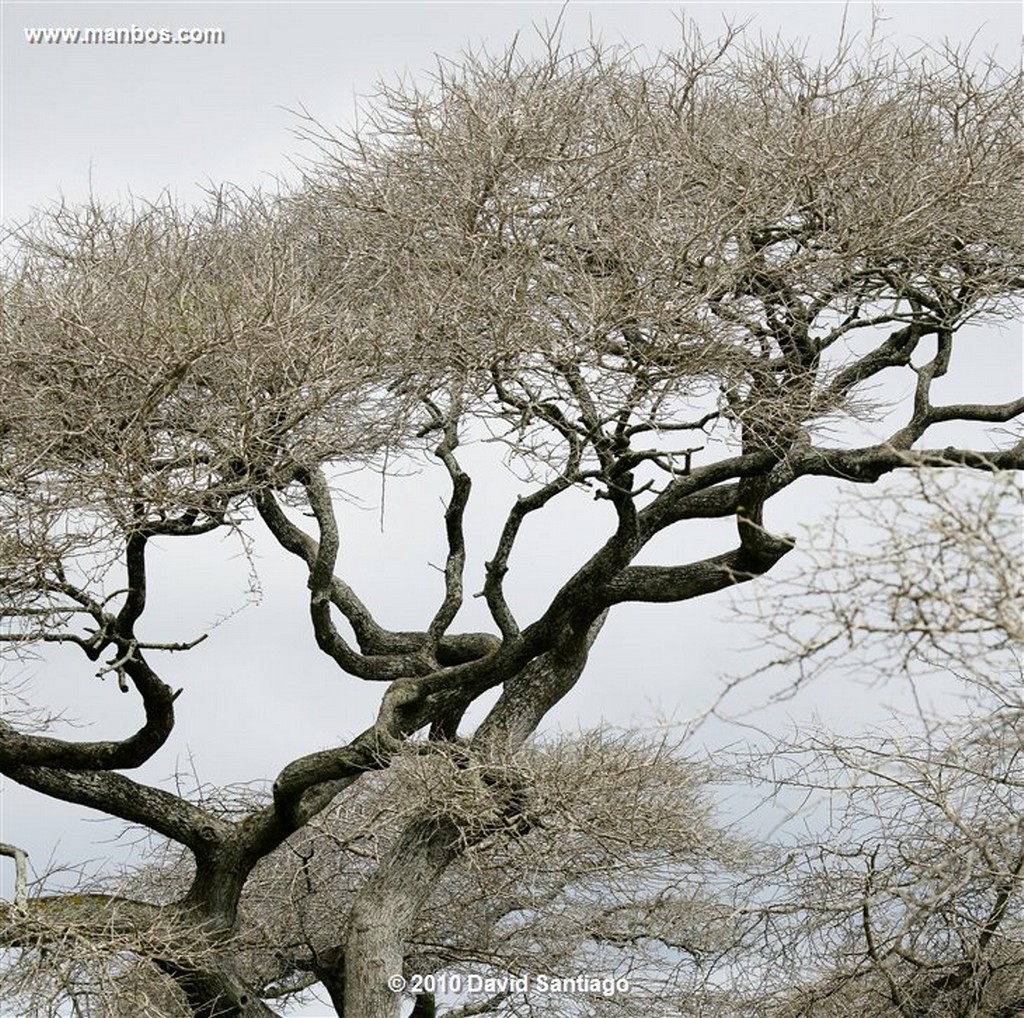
column 119, row 796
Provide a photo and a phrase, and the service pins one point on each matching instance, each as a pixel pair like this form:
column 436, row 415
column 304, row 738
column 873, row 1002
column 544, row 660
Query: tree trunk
column 384, row 911
column 386, row 907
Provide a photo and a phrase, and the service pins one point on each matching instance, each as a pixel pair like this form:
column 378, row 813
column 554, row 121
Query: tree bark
column 384, row 912
column 217, row 993
column 392, row 898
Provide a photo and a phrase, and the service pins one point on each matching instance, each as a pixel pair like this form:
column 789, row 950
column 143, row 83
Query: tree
column 908, row 901
column 609, row 865
column 912, row 904
column 681, row 286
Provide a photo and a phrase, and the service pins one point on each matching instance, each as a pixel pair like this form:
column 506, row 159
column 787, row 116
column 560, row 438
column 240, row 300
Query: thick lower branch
column 119, row 796
column 386, row 907
column 217, row 992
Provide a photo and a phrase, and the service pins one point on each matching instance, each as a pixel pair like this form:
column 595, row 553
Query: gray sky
column 135, row 119
column 143, row 117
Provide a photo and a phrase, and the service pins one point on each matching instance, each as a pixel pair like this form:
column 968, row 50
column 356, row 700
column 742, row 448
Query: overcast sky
column 144, row 117
column 136, row 119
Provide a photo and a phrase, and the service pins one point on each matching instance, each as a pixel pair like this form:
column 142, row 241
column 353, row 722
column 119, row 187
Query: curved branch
column 135, row 600
column 386, row 655
column 366, row 752
column 380, row 668
column 18, row 749
column 455, row 561
column 118, row 632
column 373, row 638
column 167, row 814
column 695, row 579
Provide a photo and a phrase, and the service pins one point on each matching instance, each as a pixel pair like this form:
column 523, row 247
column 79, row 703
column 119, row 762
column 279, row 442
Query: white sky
column 123, row 120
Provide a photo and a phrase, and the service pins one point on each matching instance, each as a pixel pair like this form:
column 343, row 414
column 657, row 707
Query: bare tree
column 600, row 858
column 901, row 894
column 911, row 904
column 682, row 286
column 933, row 582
